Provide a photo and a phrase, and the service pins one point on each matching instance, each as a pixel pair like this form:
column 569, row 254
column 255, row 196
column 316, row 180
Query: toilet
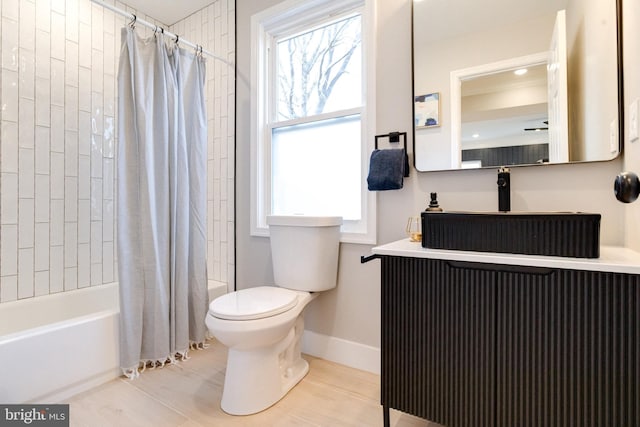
column 262, row 326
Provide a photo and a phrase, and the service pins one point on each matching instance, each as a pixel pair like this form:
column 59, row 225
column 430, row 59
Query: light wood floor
column 188, row 395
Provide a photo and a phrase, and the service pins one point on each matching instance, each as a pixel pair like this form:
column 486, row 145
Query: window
column 310, row 114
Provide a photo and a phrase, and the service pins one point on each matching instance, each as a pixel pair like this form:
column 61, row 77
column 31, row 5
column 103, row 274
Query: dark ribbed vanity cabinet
column 475, row 344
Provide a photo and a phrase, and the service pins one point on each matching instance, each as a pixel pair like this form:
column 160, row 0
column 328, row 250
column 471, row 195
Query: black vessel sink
column 566, row 234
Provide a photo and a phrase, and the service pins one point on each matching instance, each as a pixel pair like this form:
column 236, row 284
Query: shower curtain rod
column 135, row 20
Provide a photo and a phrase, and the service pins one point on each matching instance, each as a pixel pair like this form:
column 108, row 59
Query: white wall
column 253, row 262
column 352, row 311
column 58, row 136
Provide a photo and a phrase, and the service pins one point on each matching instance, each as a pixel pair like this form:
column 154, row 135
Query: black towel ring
column 394, row 137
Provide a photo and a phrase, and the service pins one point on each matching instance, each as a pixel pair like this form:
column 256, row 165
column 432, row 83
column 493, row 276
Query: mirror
column 481, row 113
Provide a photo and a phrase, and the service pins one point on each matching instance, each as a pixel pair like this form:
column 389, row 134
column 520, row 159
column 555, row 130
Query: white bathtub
column 54, row 346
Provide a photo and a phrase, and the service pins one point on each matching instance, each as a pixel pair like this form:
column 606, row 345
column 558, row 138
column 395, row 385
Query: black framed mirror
column 472, row 110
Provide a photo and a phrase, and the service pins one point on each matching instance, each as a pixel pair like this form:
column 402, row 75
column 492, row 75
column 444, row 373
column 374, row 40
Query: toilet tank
column 304, row 251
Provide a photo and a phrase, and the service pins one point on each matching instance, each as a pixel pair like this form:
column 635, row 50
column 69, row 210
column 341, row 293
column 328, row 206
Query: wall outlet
column 633, row 120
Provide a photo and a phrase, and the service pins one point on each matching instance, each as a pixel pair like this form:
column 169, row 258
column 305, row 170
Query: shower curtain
column 161, row 201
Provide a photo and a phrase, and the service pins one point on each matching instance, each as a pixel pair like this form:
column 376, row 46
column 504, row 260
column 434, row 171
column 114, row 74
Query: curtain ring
column 155, row 31
column 177, row 39
column 132, row 24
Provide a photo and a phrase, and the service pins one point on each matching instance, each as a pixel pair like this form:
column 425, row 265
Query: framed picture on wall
column 427, row 110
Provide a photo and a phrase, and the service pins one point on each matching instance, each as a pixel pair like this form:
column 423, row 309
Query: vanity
column 503, row 339
column 495, row 339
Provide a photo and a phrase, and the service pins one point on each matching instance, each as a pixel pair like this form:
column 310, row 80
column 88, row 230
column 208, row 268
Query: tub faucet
column 504, row 190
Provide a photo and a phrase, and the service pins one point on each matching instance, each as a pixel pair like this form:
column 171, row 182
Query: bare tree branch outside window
column 311, row 66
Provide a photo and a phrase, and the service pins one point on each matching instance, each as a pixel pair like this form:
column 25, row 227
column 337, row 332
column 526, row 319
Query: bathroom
column 343, row 325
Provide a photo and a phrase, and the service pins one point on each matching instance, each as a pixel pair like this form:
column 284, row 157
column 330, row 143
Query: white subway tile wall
column 58, row 132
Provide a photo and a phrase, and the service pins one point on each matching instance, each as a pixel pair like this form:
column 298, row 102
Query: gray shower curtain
column 161, row 201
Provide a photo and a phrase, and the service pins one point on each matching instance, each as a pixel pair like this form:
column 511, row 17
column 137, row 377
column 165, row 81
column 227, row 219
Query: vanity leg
column 385, row 416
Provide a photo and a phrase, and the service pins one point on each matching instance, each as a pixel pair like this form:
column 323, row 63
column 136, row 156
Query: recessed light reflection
column 475, row 135
column 520, row 72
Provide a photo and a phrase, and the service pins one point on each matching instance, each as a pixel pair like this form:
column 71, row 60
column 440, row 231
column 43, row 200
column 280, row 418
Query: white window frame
column 267, row 25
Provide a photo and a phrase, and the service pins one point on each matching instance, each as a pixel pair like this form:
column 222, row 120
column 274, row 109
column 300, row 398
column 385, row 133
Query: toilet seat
column 253, row 303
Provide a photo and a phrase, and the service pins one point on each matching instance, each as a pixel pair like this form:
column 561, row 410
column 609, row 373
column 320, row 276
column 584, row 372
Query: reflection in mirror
column 504, row 118
column 502, row 114
column 468, row 50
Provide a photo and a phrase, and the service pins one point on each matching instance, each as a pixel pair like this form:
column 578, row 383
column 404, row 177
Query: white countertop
column 612, row 258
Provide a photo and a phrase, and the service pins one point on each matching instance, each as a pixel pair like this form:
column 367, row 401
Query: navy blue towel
column 386, row 170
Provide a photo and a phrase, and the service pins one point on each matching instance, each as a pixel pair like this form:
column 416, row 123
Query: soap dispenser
column 433, row 204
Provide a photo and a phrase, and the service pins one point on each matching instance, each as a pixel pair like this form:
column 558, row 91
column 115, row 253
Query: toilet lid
column 253, row 303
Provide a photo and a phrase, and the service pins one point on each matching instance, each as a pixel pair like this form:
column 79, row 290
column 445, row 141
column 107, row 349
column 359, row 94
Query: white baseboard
column 348, row 353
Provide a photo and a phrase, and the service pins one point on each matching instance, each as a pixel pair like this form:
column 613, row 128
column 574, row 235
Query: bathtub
column 55, row 346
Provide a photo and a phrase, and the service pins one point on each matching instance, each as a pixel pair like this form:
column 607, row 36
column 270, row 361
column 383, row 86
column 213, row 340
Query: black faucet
column 504, row 190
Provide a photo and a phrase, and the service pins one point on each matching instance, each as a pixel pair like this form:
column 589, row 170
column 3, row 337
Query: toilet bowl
column 264, row 360
column 262, row 326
